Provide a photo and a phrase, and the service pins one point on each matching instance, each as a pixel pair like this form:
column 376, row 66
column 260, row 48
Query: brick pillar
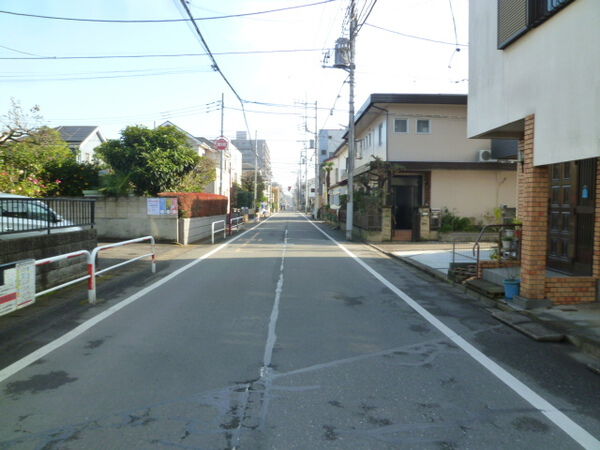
column 596, row 260
column 533, row 191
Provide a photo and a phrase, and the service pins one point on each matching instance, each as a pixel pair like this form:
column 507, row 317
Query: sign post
column 222, row 144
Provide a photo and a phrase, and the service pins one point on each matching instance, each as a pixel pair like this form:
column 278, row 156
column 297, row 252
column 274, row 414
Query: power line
column 416, row 37
column 279, row 113
column 166, row 55
column 190, row 19
column 361, row 20
column 18, row 51
column 16, row 79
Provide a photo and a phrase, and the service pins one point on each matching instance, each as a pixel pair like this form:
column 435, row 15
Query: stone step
column 486, row 288
column 528, row 327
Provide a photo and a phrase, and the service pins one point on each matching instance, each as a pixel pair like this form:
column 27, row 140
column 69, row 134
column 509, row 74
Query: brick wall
column 596, row 258
column 533, row 188
column 565, row 290
column 495, row 265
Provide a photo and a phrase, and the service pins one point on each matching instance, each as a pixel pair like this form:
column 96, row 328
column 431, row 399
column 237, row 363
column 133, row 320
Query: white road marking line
column 272, row 335
column 576, row 432
column 75, row 332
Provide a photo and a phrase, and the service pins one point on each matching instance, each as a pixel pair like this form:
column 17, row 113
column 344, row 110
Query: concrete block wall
column 127, row 218
column 198, row 228
column 43, row 246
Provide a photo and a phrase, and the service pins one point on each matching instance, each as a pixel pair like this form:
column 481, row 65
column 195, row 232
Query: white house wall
column 87, row 148
column 368, row 144
column 551, row 71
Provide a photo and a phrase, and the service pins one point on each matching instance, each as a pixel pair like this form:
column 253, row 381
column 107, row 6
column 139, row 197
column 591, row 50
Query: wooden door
column 571, row 216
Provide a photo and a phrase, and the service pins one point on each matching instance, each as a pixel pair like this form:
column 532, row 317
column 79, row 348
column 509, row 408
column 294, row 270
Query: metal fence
column 27, row 215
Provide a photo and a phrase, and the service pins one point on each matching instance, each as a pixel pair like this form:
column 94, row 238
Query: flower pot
column 511, row 288
column 509, row 233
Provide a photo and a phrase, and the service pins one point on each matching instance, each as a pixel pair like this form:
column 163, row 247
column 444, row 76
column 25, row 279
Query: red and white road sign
column 221, row 143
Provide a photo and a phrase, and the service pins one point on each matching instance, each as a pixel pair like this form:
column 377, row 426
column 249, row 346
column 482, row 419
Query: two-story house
column 82, row 140
column 531, row 80
column 428, row 164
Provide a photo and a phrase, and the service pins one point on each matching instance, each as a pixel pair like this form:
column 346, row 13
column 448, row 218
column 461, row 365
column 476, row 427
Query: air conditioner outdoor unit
column 486, row 156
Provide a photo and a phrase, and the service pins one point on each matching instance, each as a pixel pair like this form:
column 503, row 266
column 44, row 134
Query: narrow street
column 283, row 339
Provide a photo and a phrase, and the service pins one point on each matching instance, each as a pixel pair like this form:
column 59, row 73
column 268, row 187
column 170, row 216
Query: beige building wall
column 447, row 140
column 473, row 193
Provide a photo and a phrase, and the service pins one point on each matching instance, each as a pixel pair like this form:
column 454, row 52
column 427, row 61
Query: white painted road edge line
column 43, row 351
column 576, row 432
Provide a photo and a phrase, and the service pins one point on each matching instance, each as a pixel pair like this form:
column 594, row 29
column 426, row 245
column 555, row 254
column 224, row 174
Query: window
column 380, row 135
column 517, row 17
column 401, row 125
column 423, row 126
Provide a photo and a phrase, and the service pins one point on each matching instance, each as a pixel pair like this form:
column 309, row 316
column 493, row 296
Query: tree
column 34, row 152
column 17, row 123
column 25, row 162
column 248, row 185
column 153, row 161
column 199, row 177
column 36, row 161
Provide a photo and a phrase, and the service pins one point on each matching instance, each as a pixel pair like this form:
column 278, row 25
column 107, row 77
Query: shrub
column 198, row 204
column 451, row 222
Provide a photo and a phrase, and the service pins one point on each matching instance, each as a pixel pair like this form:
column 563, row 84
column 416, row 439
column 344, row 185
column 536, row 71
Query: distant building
column 248, row 148
column 83, row 140
column 329, row 141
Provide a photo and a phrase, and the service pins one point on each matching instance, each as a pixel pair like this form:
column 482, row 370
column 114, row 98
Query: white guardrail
column 92, row 262
column 224, row 230
column 91, row 265
column 41, row 262
column 235, row 223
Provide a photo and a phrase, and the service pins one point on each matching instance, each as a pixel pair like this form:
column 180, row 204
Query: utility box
column 435, row 219
column 342, row 53
column 426, row 232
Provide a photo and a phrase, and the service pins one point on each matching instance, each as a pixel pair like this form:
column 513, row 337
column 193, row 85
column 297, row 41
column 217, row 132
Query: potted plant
column 507, row 242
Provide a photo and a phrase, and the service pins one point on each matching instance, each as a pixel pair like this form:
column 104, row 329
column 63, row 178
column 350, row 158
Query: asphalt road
column 280, row 339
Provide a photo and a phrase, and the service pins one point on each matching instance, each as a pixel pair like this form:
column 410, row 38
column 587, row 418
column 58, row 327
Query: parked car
column 25, row 217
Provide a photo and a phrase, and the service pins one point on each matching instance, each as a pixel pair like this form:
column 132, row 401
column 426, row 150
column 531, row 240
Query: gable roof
column 76, row 134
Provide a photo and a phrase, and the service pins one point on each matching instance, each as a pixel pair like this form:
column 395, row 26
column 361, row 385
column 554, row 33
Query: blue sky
column 114, row 93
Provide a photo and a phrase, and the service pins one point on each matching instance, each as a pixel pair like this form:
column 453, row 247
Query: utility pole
column 299, row 187
column 317, row 165
column 222, row 151
column 255, row 170
column 351, row 138
column 306, row 188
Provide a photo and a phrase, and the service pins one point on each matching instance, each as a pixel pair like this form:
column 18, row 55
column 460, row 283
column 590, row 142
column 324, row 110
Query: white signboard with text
column 161, row 206
column 17, row 285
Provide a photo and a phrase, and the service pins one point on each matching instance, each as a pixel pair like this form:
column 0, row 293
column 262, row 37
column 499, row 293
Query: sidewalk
column 579, row 323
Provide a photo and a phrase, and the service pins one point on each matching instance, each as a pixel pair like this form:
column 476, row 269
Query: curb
column 585, row 344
